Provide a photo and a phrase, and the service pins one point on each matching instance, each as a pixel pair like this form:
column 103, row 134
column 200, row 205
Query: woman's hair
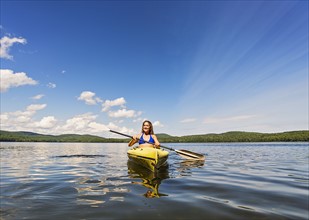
column 150, row 128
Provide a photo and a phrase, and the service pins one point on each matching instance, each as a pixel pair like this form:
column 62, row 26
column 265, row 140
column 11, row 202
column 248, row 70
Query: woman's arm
column 157, row 143
column 134, row 140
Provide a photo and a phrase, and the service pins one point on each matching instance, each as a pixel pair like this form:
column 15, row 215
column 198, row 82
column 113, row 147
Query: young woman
column 147, row 135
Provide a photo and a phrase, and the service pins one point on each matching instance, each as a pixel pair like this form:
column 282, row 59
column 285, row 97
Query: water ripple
column 95, row 181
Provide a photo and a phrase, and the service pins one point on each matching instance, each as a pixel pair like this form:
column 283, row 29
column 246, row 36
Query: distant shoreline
column 228, row 137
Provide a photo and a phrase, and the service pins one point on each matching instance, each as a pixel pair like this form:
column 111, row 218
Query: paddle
column 184, row 153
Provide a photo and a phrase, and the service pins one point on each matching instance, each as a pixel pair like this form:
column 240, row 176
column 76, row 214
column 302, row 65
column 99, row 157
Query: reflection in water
column 90, row 191
column 93, row 191
column 150, row 180
column 185, row 166
column 188, row 164
column 97, row 176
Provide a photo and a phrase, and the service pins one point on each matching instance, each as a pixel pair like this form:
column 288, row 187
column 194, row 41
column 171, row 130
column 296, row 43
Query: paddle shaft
column 116, row 132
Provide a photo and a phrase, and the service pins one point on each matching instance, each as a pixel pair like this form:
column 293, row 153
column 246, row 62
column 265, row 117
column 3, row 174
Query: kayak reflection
column 150, row 180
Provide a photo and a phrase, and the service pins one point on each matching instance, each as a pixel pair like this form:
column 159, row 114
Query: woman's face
column 146, row 127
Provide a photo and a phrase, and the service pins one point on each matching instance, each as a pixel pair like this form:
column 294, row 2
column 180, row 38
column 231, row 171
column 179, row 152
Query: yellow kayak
column 148, row 157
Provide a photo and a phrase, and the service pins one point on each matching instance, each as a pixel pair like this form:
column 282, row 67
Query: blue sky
column 191, row 67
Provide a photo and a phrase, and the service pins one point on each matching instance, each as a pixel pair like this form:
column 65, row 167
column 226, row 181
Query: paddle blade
column 190, row 155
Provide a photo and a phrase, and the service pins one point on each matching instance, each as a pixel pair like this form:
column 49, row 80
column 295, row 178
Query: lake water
column 96, row 181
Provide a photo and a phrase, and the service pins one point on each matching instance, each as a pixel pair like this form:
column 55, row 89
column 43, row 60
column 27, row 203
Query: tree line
column 234, row 136
column 238, row 136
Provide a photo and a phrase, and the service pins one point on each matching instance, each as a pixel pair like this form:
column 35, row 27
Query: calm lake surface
column 96, row 181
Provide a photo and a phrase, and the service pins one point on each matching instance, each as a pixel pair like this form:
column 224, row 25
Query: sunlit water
column 95, row 181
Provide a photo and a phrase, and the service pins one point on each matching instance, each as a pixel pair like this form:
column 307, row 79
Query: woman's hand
column 156, row 146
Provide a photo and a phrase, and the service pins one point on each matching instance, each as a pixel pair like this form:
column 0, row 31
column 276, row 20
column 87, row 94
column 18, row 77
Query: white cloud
column 89, row 98
column 123, row 113
column 110, row 103
column 188, row 120
column 79, row 124
column 138, row 120
column 86, row 124
column 36, row 107
column 6, row 43
column 51, row 85
column 37, row 97
column 63, row 71
column 4, row 117
column 98, row 127
column 46, row 122
column 23, row 120
column 9, row 79
column 157, row 124
column 124, row 130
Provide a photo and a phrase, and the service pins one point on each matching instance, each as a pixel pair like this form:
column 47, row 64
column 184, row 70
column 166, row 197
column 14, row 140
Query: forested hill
column 22, row 136
column 234, row 136
column 238, row 136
